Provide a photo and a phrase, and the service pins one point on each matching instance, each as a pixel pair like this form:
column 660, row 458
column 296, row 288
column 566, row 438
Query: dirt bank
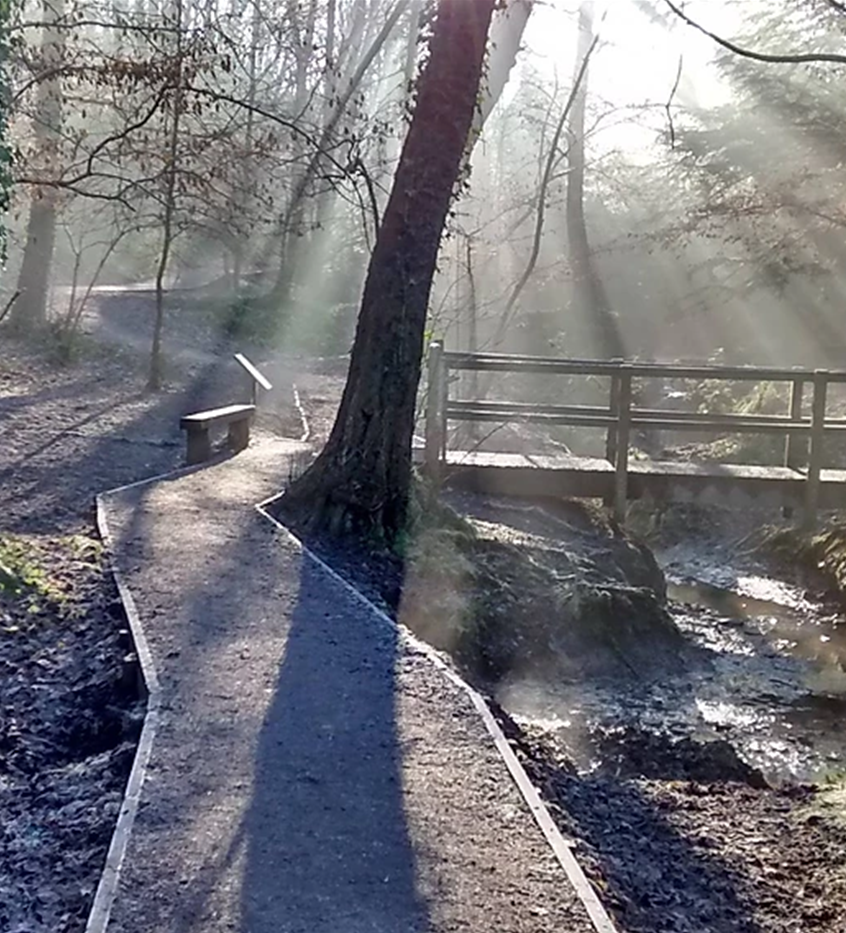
column 69, row 724
column 692, row 852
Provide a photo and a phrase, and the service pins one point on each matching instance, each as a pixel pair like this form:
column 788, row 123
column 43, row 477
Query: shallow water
column 770, row 679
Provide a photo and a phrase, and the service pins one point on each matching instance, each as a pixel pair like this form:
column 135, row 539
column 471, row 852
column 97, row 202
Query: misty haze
column 423, row 466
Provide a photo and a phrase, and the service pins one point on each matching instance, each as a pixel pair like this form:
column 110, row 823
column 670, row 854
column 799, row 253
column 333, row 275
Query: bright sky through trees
column 637, row 64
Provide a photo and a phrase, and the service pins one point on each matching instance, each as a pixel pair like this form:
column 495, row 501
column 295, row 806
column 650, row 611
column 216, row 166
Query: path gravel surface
column 311, row 771
column 68, row 433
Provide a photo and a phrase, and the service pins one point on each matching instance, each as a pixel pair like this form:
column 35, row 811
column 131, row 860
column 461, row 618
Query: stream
column 771, row 683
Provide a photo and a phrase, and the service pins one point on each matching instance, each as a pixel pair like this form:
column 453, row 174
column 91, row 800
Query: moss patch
column 553, row 590
column 34, row 572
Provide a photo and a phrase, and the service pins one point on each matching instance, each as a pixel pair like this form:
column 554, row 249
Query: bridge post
column 621, row 461
column 613, row 408
column 812, row 484
column 792, row 446
column 435, row 427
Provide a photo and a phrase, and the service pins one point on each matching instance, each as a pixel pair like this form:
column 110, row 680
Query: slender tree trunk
column 360, row 483
column 242, row 198
column 326, row 198
column 550, row 162
column 507, row 28
column 294, row 230
column 591, row 302
column 30, row 311
column 154, row 381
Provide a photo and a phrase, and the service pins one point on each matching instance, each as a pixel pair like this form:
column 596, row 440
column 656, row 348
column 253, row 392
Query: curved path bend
column 311, row 771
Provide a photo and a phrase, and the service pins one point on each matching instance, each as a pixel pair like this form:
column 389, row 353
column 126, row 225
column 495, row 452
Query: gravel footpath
column 310, row 772
column 68, row 433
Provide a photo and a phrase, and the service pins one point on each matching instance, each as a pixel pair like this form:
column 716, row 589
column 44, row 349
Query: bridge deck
column 593, row 477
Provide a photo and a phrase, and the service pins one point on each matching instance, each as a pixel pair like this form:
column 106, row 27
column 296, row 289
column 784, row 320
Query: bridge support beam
column 435, row 412
column 794, row 456
column 613, row 409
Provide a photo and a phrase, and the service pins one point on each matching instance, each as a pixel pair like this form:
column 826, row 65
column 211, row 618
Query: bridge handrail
column 504, row 362
column 621, row 414
column 597, row 416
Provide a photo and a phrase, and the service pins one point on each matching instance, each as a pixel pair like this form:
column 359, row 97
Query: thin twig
column 802, row 58
column 9, row 303
column 669, row 104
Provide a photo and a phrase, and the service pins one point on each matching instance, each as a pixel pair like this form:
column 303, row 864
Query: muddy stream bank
column 674, row 742
column 769, row 679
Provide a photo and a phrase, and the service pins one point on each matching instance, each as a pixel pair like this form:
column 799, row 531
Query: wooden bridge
column 799, row 481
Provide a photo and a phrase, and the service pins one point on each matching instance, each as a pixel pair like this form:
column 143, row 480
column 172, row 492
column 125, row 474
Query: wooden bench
column 198, row 426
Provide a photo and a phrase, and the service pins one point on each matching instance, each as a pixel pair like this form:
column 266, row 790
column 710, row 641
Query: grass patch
column 20, row 572
column 38, row 575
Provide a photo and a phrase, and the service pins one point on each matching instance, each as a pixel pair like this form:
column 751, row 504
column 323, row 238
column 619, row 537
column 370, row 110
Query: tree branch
column 669, row 104
column 16, row 294
column 803, row 58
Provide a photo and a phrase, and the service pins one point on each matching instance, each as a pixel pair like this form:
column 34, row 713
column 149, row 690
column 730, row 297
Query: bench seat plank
column 225, row 415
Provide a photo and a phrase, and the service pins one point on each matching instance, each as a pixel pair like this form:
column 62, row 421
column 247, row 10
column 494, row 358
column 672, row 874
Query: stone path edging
column 104, row 897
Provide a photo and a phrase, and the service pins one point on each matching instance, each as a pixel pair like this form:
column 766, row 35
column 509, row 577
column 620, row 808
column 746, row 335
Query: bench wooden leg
column 199, row 445
column 239, row 434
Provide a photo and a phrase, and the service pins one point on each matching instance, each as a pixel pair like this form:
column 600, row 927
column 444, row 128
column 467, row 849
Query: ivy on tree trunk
column 5, row 105
column 360, row 483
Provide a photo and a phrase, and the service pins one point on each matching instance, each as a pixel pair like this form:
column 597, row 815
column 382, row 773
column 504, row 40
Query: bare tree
column 590, row 303
column 361, row 480
column 171, row 171
column 30, row 311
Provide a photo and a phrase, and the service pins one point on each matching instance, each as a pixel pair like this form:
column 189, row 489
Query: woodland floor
column 671, row 846
column 70, row 712
column 69, row 723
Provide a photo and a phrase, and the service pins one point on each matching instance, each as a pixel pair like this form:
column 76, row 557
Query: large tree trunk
column 360, row 482
column 591, row 303
column 30, row 311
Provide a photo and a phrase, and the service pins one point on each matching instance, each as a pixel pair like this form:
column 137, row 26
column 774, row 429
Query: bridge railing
column 621, row 414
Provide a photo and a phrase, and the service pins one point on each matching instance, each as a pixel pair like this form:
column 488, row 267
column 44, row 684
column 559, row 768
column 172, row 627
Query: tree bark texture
column 30, row 311
column 360, row 482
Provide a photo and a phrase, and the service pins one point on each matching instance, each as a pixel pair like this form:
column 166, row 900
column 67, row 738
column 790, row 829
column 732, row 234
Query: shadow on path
column 326, row 834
